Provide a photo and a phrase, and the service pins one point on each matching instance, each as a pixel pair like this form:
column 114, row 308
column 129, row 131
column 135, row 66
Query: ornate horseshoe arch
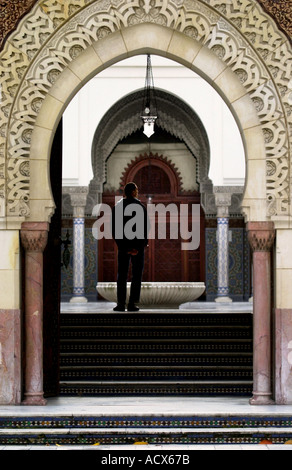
column 175, row 116
column 59, row 46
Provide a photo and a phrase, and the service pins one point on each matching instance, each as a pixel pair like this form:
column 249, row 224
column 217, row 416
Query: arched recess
column 123, row 119
column 54, row 52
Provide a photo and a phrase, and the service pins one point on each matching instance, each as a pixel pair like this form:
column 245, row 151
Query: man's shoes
column 119, row 308
column 132, row 308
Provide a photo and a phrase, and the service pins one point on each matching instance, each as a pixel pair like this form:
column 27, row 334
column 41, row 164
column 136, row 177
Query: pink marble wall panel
column 283, row 356
column 10, row 357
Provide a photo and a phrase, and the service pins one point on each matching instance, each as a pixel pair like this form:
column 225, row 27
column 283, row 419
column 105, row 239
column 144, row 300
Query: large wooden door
column 164, row 259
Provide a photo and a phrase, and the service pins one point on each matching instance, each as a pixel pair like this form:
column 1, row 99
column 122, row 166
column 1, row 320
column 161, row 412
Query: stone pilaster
column 34, row 240
column 78, row 201
column 261, row 237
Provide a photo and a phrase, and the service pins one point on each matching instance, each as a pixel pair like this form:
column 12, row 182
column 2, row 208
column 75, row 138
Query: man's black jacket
column 130, row 229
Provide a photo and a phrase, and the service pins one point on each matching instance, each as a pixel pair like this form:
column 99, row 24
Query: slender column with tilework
column 261, row 237
column 78, row 201
column 223, row 201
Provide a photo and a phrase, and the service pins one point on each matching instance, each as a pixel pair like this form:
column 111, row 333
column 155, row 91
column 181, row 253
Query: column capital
column 261, row 235
column 34, row 236
column 222, row 201
column 78, row 197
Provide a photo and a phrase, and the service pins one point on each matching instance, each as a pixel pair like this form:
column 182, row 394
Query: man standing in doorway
column 130, row 228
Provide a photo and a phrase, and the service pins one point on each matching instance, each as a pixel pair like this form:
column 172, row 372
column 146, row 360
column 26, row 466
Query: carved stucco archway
column 57, row 48
column 234, row 45
column 124, row 118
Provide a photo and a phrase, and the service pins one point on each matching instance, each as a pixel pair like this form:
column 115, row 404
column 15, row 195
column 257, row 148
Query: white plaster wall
column 87, row 108
column 178, row 154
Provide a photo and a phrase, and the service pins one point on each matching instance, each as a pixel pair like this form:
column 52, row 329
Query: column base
column 223, row 299
column 34, row 400
column 78, row 300
column 261, row 399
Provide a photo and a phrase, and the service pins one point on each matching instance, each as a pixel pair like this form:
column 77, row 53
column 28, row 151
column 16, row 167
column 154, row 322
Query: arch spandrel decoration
column 52, row 36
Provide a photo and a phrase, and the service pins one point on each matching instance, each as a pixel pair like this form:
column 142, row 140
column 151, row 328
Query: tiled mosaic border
column 108, row 430
column 160, row 422
column 217, row 438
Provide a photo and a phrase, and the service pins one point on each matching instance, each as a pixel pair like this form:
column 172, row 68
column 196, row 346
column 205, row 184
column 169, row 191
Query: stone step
column 156, row 353
column 85, row 435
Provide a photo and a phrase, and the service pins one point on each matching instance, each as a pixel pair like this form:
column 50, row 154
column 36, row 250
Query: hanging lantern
column 149, row 110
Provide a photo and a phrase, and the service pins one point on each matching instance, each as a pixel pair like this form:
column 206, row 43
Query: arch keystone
column 147, row 38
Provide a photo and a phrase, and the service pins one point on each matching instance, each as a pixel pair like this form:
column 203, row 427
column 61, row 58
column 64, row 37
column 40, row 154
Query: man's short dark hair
column 129, row 188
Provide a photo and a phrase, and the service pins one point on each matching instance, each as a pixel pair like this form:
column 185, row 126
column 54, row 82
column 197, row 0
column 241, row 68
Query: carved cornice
column 13, row 10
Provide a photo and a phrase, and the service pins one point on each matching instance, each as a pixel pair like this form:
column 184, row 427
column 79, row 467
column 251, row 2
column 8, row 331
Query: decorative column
column 34, row 238
column 223, row 201
column 261, row 237
column 78, row 201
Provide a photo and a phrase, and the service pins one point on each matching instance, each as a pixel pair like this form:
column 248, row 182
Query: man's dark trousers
column 137, row 261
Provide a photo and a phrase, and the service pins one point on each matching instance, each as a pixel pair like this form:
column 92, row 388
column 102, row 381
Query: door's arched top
column 59, row 46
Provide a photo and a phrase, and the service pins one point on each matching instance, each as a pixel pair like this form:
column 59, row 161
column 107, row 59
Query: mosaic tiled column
column 261, row 237
column 223, row 201
column 34, row 239
column 78, row 201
